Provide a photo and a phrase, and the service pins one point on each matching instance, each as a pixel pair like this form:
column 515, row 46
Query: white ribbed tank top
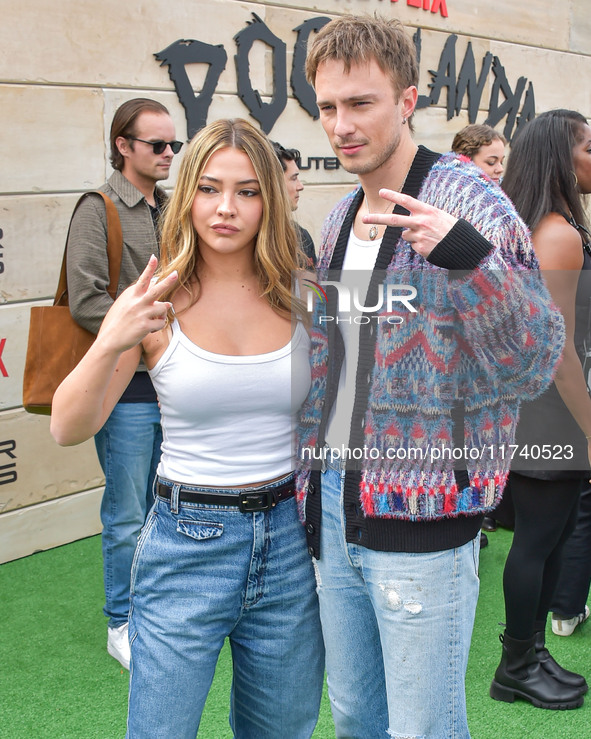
column 229, row 420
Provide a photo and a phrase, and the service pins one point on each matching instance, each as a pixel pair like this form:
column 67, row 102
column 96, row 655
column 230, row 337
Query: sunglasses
column 160, row 146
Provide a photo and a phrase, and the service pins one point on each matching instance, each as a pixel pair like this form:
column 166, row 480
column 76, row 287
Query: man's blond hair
column 354, row 39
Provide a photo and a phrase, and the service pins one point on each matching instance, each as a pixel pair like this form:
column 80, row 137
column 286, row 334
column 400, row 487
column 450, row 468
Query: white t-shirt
column 358, row 265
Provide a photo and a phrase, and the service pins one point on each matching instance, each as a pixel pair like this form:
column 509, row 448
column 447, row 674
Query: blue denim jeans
column 128, row 448
column 209, row 572
column 397, row 628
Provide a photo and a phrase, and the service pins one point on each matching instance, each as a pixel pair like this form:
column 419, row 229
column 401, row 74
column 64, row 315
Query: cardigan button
column 311, row 489
column 311, row 551
column 310, row 528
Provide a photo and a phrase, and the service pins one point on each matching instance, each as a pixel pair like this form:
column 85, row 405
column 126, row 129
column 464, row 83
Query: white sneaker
column 118, row 644
column 566, row 626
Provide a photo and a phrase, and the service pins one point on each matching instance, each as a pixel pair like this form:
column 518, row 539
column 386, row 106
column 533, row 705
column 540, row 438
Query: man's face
column 292, row 180
column 360, row 114
column 139, row 158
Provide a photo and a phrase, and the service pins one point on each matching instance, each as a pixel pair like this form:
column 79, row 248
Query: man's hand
column 424, row 228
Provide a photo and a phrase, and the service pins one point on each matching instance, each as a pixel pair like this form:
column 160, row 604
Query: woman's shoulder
column 556, row 226
column 557, row 243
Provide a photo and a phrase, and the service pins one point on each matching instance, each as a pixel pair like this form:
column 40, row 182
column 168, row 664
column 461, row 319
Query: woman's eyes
column 208, row 190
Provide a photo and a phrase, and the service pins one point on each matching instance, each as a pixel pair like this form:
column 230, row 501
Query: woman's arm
column 559, row 251
column 85, row 399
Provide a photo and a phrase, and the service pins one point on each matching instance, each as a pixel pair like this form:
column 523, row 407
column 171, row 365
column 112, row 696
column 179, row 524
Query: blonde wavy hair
column 277, row 252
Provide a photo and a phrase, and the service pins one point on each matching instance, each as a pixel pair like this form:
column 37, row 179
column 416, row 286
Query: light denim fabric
column 209, row 572
column 397, row 628
column 128, row 448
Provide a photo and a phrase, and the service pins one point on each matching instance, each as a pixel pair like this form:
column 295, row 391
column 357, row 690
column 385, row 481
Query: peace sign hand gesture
column 424, row 228
column 137, row 311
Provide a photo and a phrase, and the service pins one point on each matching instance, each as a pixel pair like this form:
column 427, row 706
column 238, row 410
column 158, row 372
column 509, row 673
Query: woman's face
column 490, row 158
column 228, row 207
column 582, row 160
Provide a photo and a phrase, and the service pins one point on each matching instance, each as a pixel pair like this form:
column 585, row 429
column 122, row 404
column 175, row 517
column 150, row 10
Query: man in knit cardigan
column 392, row 516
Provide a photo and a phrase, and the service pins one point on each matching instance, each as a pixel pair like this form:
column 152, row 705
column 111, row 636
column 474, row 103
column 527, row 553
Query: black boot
column 521, row 675
column 573, row 679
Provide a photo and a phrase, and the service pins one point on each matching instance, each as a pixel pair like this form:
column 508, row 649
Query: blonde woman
column 222, row 554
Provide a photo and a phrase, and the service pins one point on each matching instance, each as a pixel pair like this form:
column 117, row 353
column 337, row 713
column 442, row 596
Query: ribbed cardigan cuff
column 462, row 249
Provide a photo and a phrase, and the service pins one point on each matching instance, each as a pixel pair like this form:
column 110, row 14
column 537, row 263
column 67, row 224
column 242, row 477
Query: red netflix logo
column 435, row 6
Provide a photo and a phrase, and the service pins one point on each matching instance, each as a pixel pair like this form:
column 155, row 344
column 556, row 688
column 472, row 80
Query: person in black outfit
column 549, row 169
column 569, row 605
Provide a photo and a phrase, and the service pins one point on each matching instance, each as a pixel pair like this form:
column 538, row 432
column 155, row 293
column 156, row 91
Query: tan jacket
column 88, row 272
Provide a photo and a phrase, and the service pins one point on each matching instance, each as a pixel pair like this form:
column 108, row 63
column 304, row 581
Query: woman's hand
column 85, row 399
column 137, row 311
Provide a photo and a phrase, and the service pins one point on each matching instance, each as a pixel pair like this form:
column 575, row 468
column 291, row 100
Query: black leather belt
column 249, row 501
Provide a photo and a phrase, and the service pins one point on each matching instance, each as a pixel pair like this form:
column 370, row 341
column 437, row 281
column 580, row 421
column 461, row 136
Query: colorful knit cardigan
column 489, row 336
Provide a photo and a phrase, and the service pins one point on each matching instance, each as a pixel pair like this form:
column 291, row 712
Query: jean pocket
column 145, row 532
column 200, row 530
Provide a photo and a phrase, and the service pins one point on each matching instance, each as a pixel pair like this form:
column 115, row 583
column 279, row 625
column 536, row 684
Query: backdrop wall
column 65, row 68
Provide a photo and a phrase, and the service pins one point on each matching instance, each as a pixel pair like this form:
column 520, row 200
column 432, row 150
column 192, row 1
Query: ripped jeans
column 397, row 629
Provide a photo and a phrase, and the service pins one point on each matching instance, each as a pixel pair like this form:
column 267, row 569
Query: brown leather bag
column 56, row 342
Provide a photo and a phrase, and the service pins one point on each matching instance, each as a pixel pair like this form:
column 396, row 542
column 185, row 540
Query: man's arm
column 87, row 263
column 509, row 320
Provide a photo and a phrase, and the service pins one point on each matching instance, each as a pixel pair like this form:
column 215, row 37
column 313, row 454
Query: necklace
column 373, row 230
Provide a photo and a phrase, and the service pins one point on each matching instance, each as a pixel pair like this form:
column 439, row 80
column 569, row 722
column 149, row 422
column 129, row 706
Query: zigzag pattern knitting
column 487, row 337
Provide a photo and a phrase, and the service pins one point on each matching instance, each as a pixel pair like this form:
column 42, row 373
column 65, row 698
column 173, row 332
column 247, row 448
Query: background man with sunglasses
column 142, row 147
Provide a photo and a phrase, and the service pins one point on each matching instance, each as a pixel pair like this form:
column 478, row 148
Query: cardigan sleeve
column 508, row 318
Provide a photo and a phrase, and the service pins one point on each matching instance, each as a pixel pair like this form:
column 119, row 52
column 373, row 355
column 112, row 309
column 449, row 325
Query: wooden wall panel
column 40, row 470
column 580, row 28
column 14, row 333
column 113, row 44
column 46, row 125
column 63, row 73
column 540, row 23
column 558, row 78
column 51, row 524
column 34, row 228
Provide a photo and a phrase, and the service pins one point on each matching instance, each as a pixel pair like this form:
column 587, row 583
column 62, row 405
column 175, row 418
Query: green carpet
column 58, row 682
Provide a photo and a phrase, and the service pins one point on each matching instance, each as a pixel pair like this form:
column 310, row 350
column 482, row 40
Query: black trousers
column 545, row 516
column 575, row 574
